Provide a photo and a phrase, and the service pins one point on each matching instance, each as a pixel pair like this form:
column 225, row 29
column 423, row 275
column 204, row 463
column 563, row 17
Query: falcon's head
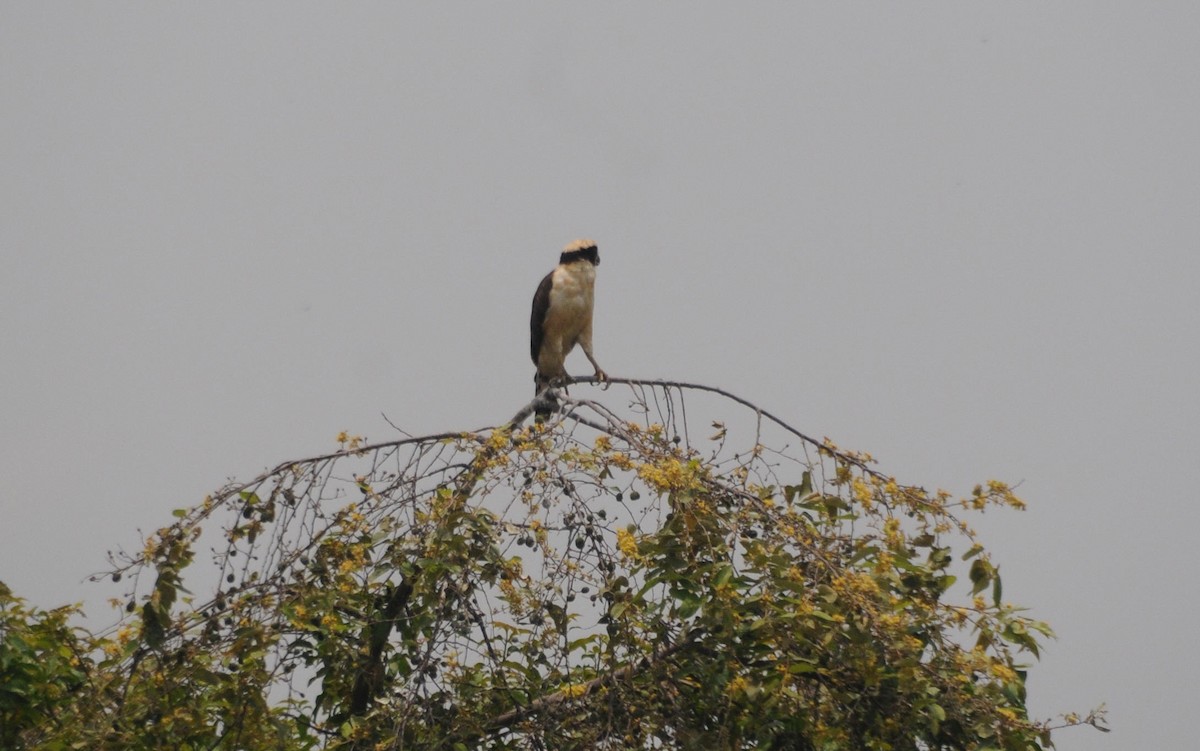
column 581, row 250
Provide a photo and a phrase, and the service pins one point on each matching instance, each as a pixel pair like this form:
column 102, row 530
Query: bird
column 562, row 315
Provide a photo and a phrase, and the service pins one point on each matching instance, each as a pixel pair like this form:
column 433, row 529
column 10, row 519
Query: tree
column 607, row 579
column 41, row 667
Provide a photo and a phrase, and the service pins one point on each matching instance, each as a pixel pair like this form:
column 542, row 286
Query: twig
column 549, row 701
column 840, row 455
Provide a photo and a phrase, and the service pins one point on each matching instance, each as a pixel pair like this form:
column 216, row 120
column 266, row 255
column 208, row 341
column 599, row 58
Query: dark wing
column 541, row 305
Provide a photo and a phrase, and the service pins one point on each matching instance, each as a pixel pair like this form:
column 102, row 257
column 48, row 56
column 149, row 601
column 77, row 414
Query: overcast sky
column 964, row 238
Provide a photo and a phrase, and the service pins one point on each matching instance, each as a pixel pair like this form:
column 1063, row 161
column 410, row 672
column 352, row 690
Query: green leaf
column 756, row 625
column 582, row 642
column 153, row 628
column 981, row 575
column 937, row 716
column 975, row 550
column 924, row 541
column 1014, row 691
column 688, row 606
column 724, row 575
column 801, row 491
column 806, row 484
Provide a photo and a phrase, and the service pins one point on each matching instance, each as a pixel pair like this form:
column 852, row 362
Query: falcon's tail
column 544, row 403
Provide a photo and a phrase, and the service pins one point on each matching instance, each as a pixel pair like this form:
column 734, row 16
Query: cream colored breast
column 573, row 289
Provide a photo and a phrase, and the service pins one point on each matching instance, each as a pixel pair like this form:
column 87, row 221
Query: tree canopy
column 661, row 566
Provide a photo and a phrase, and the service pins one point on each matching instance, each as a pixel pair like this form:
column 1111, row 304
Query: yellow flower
column 857, row 583
column 575, row 690
column 627, row 544
column 891, row 622
column 737, row 687
column 1005, row 494
column 862, row 493
column 1003, row 672
column 506, row 586
column 666, row 475
column 891, row 532
column 621, row 461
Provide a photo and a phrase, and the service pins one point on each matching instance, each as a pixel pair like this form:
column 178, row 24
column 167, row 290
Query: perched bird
column 562, row 314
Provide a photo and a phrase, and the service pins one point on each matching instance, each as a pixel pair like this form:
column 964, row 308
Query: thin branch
column 562, row 696
column 840, row 455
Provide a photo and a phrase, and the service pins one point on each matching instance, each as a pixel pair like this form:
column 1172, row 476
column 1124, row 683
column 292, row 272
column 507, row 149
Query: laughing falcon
column 562, row 313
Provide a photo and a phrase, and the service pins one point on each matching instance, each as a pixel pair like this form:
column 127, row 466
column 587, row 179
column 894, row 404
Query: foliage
column 40, row 668
column 603, row 580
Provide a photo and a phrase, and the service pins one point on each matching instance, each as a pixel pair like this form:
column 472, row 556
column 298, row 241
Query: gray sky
column 962, row 238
